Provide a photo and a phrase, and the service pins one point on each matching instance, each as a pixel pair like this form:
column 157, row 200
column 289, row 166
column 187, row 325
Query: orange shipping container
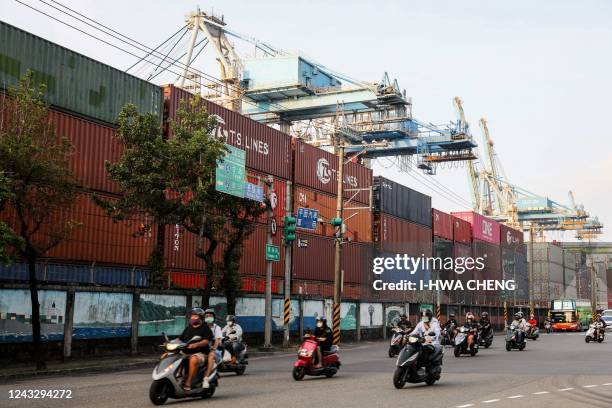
column 358, row 226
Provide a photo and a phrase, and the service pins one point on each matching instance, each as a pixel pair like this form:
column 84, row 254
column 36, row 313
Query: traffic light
column 289, row 231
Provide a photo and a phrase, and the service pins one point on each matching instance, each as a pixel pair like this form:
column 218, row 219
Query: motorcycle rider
column 233, row 332
column 200, row 351
column 404, row 323
column 602, row 329
column 533, row 323
column 520, row 323
column 485, row 324
column 209, row 319
column 470, row 323
column 428, row 324
column 324, row 336
column 451, row 322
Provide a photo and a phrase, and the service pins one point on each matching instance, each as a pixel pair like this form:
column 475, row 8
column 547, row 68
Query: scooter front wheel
column 399, row 377
column 210, row 391
column 159, row 392
column 298, row 373
column 241, row 370
column 391, row 352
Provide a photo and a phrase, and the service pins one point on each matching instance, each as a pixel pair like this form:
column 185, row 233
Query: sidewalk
column 118, row 363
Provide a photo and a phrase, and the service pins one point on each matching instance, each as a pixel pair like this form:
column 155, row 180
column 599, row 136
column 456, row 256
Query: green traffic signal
column 289, row 230
column 336, row 222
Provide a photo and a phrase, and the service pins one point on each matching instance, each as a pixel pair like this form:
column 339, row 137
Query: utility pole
column 288, row 250
column 530, row 265
column 338, row 243
column 268, row 300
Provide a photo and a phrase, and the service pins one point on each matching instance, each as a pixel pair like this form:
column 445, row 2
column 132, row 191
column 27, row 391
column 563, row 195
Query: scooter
column 548, row 326
column 242, row 358
column 532, row 334
column 513, row 339
column 411, row 365
column 396, row 341
column 305, row 365
column 590, row 334
column 461, row 343
column 167, row 378
column 485, row 336
column 446, row 338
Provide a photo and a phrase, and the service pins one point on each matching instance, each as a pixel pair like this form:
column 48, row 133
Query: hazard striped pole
column 505, row 313
column 438, row 311
column 336, row 323
column 287, row 311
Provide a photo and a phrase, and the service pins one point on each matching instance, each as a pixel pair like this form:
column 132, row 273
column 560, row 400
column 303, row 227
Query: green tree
column 8, row 238
column 34, row 160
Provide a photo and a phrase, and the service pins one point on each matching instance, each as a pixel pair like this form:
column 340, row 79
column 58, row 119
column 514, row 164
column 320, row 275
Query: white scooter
column 590, row 334
column 167, row 378
column 396, row 343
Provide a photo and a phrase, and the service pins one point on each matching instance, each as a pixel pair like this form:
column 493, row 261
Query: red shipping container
column 483, row 228
column 510, row 237
column 463, row 251
column 462, row 230
column 313, row 258
column 187, row 280
column 97, row 238
column 395, row 235
column 318, row 169
column 356, row 262
column 442, row 224
column 267, row 150
column 491, row 257
column 358, row 226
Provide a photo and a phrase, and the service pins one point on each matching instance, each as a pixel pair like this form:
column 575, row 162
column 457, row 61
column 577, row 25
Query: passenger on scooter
column 233, row 332
column 209, row 318
column 200, row 351
column 533, row 323
column 324, row 336
column 451, row 322
column 472, row 326
column 520, row 323
column 427, row 325
column 404, row 323
column 602, row 329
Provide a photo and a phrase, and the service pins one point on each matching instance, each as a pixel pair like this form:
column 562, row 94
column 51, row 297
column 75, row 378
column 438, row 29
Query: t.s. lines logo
column 323, row 171
column 511, row 239
column 487, row 228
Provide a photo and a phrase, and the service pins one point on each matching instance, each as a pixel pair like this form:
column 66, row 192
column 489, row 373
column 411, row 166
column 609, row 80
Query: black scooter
column 485, row 336
column 515, row 339
column 415, row 366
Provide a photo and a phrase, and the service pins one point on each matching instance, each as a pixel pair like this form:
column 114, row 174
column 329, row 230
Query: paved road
column 558, row 370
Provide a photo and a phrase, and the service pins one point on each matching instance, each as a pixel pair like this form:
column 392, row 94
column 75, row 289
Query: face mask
column 230, row 323
column 319, row 324
column 425, row 319
column 209, row 320
column 194, row 321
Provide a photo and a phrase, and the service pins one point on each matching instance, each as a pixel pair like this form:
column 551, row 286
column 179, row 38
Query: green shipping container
column 75, row 83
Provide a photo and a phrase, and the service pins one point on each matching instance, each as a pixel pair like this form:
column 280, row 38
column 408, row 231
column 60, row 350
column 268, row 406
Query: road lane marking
column 565, row 389
column 607, row 384
column 490, row 401
column 515, row 396
column 541, row 393
column 465, row 405
column 589, row 386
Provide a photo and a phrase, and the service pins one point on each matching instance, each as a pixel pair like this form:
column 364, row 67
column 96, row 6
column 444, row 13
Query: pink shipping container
column 483, row 228
column 442, row 224
column 317, row 169
column 267, row 150
column 462, row 230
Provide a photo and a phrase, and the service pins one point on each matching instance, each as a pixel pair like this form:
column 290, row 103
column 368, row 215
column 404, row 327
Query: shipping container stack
column 485, row 245
column 86, row 97
column 443, row 248
column 462, row 248
column 315, row 188
column 514, row 264
column 547, row 264
column 569, row 275
column 402, row 225
column 268, row 153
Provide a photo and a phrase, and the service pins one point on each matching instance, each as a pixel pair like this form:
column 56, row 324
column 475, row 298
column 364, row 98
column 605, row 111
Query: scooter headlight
column 171, row 346
column 304, row 353
column 413, row 339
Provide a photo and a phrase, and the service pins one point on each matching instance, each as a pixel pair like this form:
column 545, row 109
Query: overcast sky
column 539, row 71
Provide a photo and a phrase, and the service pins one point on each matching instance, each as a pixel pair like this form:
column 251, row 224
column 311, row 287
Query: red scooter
column 305, row 363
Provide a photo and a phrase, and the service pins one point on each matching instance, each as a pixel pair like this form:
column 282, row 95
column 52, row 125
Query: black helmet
column 230, row 318
column 519, row 314
column 322, row 318
column 484, row 314
column 210, row 311
column 403, row 316
column 197, row 311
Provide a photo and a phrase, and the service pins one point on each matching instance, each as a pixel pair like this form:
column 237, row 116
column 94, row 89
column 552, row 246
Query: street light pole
column 268, row 296
column 338, row 248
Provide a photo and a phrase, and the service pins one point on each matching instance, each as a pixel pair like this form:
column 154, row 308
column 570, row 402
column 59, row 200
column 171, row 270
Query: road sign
column 302, row 243
column 254, row 192
column 272, row 253
column 307, row 218
column 231, row 172
column 273, row 226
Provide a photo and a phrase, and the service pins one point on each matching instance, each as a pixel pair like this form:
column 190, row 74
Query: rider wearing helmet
column 602, row 322
column 472, row 326
column 429, row 327
column 451, row 326
column 200, row 350
column 209, row 319
column 233, row 333
column 324, row 336
column 533, row 323
column 404, row 323
column 520, row 323
column 484, row 323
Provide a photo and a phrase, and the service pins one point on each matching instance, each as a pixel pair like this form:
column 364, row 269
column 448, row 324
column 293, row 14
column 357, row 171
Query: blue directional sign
column 254, row 192
column 307, row 218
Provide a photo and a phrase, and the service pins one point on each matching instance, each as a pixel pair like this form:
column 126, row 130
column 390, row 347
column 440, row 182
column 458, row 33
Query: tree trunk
column 230, row 297
column 37, row 347
column 208, row 282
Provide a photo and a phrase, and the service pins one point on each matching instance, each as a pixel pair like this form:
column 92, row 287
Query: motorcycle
column 548, row 326
column 461, row 343
column 512, row 339
column 304, row 365
column 396, row 341
column 590, row 334
column 414, row 367
column 167, row 374
column 532, row 333
column 242, row 358
column 446, row 338
column 485, row 336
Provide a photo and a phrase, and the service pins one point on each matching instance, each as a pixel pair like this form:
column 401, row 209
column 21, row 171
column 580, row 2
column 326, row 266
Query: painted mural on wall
column 161, row 313
column 16, row 311
column 100, row 315
column 393, row 314
column 312, row 309
column 348, row 311
column 371, row 314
